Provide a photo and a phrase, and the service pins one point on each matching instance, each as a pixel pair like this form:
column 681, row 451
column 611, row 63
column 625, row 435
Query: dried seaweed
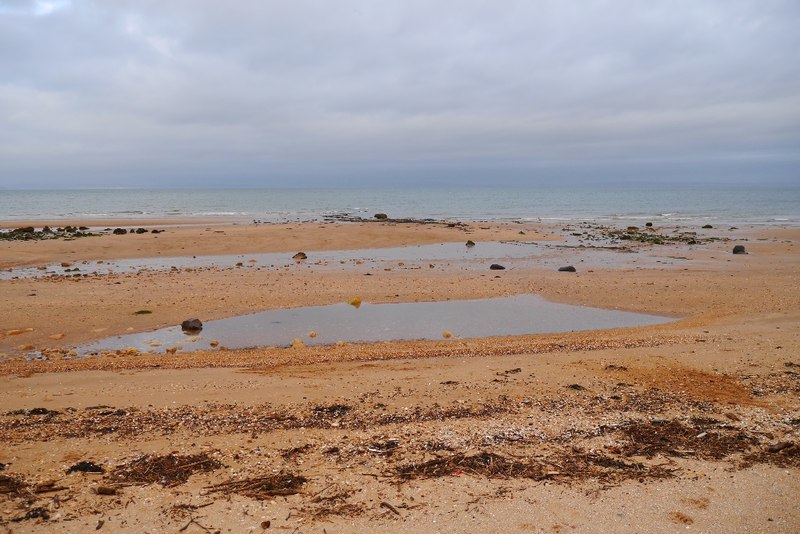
column 673, row 438
column 262, row 487
column 334, row 410
column 483, row 464
column 14, row 487
column 785, row 454
column 169, row 470
column 294, row 451
column 85, row 467
column 333, row 505
column 574, row 465
column 34, row 513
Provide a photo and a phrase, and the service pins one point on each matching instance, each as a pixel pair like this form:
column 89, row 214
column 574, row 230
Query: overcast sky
column 258, row 93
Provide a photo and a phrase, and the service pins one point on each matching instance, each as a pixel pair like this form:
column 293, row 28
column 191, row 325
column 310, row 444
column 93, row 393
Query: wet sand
column 659, row 429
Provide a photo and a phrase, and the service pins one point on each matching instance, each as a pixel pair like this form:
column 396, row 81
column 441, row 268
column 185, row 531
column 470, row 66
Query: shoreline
column 239, row 284
column 7, row 223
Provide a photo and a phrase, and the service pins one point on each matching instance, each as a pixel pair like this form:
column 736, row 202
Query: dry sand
column 657, row 429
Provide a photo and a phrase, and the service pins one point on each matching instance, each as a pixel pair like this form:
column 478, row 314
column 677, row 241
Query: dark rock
column 24, row 230
column 649, row 224
column 70, row 229
column 47, row 230
column 120, row 231
column 191, row 325
column 154, row 231
column 470, row 243
column 496, row 267
column 568, row 269
column 576, row 387
column 300, row 256
column 739, row 249
column 381, row 216
column 707, row 226
column 83, row 228
column 85, row 467
column 141, row 231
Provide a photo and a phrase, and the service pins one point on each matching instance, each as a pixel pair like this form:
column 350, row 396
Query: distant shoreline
column 110, row 222
column 562, row 205
column 189, row 220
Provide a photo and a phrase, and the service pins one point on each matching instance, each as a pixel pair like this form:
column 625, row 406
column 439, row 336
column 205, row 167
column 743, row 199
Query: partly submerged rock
column 496, row 267
column 470, row 243
column 191, row 325
column 567, row 269
column 381, row 216
column 739, row 249
column 300, row 256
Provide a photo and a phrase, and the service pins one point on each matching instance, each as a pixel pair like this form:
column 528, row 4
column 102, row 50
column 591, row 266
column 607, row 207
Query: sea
column 617, row 204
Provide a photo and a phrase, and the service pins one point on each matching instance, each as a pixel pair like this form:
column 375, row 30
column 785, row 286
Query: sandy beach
column 659, row 428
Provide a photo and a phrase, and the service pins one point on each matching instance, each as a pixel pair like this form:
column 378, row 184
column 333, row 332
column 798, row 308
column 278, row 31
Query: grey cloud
column 319, row 92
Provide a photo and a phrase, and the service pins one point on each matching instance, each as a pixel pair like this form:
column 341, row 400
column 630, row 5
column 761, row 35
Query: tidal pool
column 506, row 316
column 482, row 252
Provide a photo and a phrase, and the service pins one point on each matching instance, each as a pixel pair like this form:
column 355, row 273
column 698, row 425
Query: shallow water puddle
column 517, row 315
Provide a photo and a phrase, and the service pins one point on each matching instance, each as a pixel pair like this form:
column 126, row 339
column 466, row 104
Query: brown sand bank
column 656, row 429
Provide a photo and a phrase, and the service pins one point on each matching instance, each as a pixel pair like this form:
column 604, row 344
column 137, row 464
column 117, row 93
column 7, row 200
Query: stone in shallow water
column 496, row 267
column 191, row 325
column 568, row 269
